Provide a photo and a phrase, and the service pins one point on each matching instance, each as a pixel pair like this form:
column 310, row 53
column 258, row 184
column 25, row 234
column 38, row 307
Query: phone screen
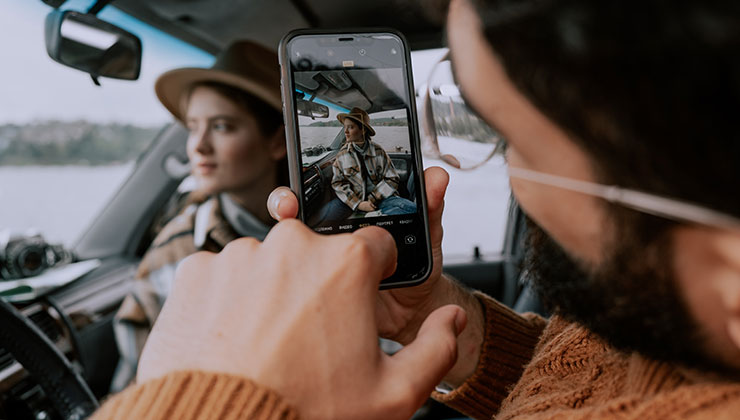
column 356, row 141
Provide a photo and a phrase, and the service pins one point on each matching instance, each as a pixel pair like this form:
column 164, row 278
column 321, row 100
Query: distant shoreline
column 76, row 143
column 379, row 122
column 65, row 165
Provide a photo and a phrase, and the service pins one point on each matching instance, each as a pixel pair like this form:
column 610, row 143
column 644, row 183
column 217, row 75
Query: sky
column 33, row 87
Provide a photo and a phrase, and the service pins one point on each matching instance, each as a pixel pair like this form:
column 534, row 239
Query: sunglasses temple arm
column 646, row 203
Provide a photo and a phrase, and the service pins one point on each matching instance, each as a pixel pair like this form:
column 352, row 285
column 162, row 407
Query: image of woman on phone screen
column 364, row 178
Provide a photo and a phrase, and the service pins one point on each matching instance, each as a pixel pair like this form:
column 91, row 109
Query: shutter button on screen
column 409, row 239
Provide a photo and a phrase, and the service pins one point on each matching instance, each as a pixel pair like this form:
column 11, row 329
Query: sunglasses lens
column 465, row 141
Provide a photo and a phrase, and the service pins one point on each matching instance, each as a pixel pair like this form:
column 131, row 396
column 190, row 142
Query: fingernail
column 274, row 203
column 279, row 201
column 733, row 329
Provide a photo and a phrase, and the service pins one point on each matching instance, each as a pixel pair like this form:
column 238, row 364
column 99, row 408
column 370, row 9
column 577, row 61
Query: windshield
column 66, row 145
column 322, row 95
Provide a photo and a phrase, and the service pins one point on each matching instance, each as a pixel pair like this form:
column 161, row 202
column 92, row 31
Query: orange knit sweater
column 529, row 369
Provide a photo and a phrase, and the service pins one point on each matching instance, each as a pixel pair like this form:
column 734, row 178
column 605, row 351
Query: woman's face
column 353, row 132
column 226, row 149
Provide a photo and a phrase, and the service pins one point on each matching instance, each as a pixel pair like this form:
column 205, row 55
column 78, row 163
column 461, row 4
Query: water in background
column 59, row 201
column 391, row 139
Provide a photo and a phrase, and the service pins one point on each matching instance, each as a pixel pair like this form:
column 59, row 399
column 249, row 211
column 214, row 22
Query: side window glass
column 476, row 204
column 67, row 145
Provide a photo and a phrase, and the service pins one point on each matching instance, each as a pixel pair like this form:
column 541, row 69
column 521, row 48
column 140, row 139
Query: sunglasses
column 456, row 135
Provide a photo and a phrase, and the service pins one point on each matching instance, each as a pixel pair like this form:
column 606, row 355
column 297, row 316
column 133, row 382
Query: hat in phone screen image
column 358, row 115
column 244, row 65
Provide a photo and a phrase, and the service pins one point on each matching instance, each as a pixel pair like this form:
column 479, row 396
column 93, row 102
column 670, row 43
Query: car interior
column 57, row 350
column 344, row 90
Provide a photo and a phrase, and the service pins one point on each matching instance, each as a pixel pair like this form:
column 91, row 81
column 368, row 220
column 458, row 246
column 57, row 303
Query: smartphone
column 353, row 139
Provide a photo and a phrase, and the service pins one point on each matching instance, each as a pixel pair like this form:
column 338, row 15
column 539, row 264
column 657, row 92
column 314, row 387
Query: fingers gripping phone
column 353, row 139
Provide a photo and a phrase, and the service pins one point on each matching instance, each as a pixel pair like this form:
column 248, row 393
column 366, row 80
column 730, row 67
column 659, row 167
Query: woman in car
column 364, row 178
column 236, row 148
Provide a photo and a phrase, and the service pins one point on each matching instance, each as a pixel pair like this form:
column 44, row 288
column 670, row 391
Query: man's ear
column 727, row 246
column 276, row 144
column 707, row 267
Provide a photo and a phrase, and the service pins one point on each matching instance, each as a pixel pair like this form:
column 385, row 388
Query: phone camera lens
column 304, row 64
column 362, row 51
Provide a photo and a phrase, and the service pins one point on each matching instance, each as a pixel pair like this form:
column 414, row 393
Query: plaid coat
column 347, row 179
column 154, row 278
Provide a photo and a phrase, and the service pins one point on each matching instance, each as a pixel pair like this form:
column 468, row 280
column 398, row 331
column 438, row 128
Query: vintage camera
column 24, row 256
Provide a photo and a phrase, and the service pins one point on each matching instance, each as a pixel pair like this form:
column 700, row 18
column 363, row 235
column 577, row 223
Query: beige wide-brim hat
column 359, row 115
column 244, row 65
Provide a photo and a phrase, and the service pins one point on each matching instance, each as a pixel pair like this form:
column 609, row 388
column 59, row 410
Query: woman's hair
column 650, row 89
column 269, row 120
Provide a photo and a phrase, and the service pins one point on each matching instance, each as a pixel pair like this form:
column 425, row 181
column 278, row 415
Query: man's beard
column 631, row 299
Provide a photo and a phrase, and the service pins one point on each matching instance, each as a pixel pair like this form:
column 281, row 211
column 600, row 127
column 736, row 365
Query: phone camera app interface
column 355, row 138
column 355, row 131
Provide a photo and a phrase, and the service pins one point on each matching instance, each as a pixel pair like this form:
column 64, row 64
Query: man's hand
column 366, row 206
column 401, row 312
column 297, row 313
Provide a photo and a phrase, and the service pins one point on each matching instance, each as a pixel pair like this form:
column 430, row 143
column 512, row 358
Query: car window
column 66, row 145
column 476, row 204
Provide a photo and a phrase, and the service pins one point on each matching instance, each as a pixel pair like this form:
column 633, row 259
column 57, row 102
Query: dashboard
column 78, row 320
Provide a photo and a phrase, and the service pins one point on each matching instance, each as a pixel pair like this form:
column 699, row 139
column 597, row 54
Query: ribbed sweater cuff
column 196, row 395
column 508, row 343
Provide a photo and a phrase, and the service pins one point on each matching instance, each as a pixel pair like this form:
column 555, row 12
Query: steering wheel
column 65, row 388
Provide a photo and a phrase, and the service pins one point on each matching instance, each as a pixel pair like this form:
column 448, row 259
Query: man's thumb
column 427, row 359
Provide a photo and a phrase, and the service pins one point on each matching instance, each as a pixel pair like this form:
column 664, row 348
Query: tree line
column 379, row 122
column 72, row 143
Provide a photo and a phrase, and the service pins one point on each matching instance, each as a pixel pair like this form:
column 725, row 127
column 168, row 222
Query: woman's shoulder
column 343, row 157
column 177, row 239
column 173, row 243
column 375, row 146
column 378, row 150
column 184, row 221
column 344, row 150
column 179, row 225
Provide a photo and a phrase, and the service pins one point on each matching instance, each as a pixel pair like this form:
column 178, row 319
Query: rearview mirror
column 312, row 109
column 86, row 43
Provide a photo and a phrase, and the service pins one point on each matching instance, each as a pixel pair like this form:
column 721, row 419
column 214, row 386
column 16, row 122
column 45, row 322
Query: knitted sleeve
column 196, row 395
column 508, row 344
